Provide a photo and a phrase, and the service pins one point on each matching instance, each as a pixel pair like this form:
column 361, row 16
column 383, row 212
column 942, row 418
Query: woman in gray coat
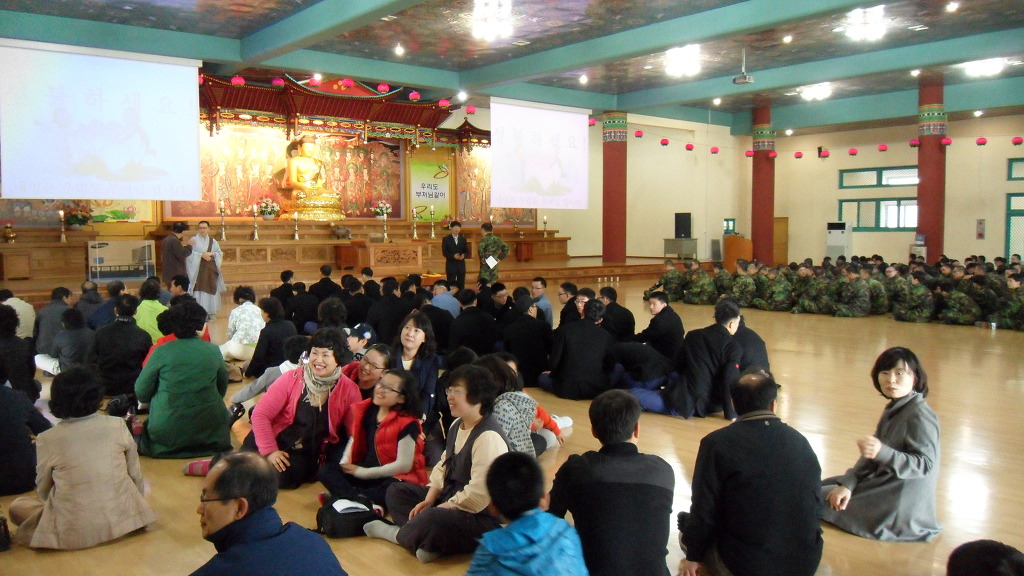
column 889, row 494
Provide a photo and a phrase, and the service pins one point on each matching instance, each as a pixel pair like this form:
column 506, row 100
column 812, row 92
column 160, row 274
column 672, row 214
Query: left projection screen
column 97, row 125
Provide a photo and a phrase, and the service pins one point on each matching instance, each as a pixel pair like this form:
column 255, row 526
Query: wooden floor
column 977, row 383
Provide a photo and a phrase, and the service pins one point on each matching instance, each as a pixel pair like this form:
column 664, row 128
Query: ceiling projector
column 743, row 77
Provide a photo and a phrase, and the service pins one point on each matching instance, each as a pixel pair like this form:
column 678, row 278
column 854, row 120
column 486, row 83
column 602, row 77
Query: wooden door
column 780, row 246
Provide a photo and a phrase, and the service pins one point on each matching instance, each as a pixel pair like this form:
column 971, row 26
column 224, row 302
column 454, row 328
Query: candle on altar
column 296, row 215
column 255, row 209
column 61, row 214
column 545, row 219
column 222, row 205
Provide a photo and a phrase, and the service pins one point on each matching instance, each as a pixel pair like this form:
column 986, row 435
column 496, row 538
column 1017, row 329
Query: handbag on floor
column 344, row 518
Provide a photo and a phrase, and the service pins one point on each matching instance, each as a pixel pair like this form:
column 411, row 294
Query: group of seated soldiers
column 975, row 292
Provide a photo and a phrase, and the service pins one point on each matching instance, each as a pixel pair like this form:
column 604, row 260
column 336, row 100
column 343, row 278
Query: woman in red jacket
column 385, row 442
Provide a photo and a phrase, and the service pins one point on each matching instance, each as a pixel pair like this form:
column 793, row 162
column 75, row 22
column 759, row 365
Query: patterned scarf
column 317, row 388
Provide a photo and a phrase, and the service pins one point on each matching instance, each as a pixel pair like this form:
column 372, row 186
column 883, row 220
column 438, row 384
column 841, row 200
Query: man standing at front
column 174, row 252
column 203, row 266
column 620, row 499
column 236, row 513
column 492, row 250
column 455, row 250
column 756, row 509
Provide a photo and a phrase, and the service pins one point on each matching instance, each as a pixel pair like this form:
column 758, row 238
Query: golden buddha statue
column 305, row 175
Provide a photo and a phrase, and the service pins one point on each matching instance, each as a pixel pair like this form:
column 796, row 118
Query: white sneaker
column 562, row 421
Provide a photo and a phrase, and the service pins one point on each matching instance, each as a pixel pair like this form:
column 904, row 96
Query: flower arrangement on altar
column 77, row 215
column 381, row 207
column 269, row 208
column 446, row 222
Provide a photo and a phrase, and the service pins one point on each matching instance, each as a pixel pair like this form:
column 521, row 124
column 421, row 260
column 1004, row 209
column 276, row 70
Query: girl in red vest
column 385, row 442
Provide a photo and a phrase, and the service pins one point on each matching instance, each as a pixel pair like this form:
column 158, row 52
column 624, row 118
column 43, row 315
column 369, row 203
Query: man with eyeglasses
column 237, row 516
column 538, row 291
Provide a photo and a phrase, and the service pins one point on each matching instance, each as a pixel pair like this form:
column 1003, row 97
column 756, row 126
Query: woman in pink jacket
column 296, row 422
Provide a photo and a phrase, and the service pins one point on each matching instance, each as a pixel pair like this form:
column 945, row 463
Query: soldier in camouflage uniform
column 759, row 274
column 855, row 299
column 490, row 245
column 983, row 295
column 919, row 305
column 780, row 294
column 1011, row 314
column 701, row 290
column 743, row 287
column 669, row 283
column 879, row 298
column 801, row 283
column 815, row 298
column 960, row 309
column 723, row 280
column 896, row 286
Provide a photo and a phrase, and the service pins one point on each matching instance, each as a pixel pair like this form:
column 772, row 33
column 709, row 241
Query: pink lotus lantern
column 201, row 79
column 773, row 154
column 714, row 149
column 915, row 143
column 639, row 134
column 444, row 103
column 981, row 141
column 347, row 82
column 470, row 109
column 825, row 154
column 664, row 141
column 947, row 141
column 277, row 82
column 689, row 147
column 852, row 151
column 883, row 147
column 798, row 155
column 749, row 153
column 414, row 96
column 382, row 88
column 1017, row 140
column 592, row 122
column 314, row 82
column 237, row 80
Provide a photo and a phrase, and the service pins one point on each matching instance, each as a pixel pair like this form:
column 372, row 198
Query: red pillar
column 613, row 233
column 762, row 189
column 931, row 164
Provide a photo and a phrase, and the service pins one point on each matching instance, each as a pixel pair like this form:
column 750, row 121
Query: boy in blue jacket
column 534, row 542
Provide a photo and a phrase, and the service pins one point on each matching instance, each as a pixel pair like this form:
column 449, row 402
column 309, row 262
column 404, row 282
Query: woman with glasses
column 366, row 371
column 385, row 444
column 295, row 424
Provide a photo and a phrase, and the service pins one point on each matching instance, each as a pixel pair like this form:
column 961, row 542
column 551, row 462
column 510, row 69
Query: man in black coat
column 755, row 353
column 284, row 292
column 665, row 332
column 580, row 357
column 529, row 339
column 756, row 503
column 440, row 320
column 567, row 297
column 325, row 288
column 358, row 303
column 174, row 252
column 118, row 350
column 708, row 364
column 455, row 249
column 618, row 319
column 474, row 328
column 301, row 307
column 386, row 314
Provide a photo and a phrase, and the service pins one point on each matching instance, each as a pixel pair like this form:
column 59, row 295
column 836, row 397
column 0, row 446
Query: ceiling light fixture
column 978, row 113
column 866, row 24
column 818, row 91
column 716, row 101
column 915, row 72
column 952, row 6
column 492, row 19
column 789, row 132
column 787, row 38
column 399, row 50
column 648, row 67
column 683, row 61
column 462, row 96
column 584, row 79
column 990, row 67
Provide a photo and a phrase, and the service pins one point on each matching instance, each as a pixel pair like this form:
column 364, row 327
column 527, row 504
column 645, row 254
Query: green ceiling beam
column 984, row 94
column 691, row 114
column 737, row 18
column 86, row 33
column 551, row 95
column 941, row 53
column 322, row 21
column 306, row 61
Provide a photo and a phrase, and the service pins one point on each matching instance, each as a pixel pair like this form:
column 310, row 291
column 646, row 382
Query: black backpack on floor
column 348, row 523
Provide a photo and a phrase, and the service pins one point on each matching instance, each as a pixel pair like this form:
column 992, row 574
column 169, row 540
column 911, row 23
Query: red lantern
column 347, row 82
column 639, row 134
column 277, row 82
column 883, row 147
column 592, row 122
column 314, row 82
column 237, row 80
column 915, row 143
column 1017, row 140
column 749, row 153
column 470, row 109
column 798, row 155
column 981, row 141
column 444, row 103
column 414, row 96
column 852, row 152
column 664, row 141
column 773, row 154
column 201, row 79
column 689, row 147
column 947, row 141
column 825, row 154
column 714, row 149
column 382, row 88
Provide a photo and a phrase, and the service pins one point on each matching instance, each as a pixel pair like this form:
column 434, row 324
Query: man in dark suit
column 358, row 303
column 665, row 332
column 580, row 358
column 567, row 297
column 755, row 353
column 474, row 328
column 386, row 314
column 618, row 319
column 455, row 250
column 284, row 292
column 301, row 306
column 708, row 364
column 529, row 339
column 325, row 287
column 440, row 320
column 174, row 252
column 756, row 503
